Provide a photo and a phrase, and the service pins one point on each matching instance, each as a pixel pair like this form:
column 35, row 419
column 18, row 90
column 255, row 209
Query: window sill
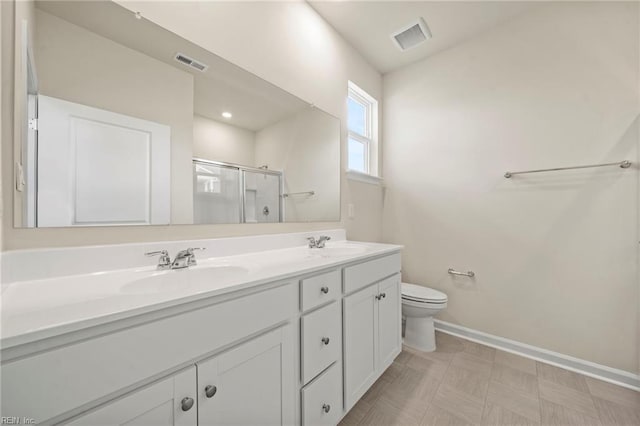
column 364, row 178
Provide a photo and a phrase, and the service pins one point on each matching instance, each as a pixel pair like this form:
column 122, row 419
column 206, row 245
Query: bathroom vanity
column 264, row 329
column 286, row 336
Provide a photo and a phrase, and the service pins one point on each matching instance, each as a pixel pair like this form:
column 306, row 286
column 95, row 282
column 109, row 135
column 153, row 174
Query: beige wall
column 555, row 254
column 286, row 43
column 79, row 66
column 217, row 141
column 306, row 147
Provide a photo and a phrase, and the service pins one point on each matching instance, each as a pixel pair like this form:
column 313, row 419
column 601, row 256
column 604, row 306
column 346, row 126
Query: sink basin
column 181, row 280
column 340, row 250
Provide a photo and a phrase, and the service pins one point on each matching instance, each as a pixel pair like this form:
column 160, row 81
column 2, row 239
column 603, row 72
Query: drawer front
column 318, row 290
column 366, row 273
column 98, row 367
column 321, row 340
column 321, row 399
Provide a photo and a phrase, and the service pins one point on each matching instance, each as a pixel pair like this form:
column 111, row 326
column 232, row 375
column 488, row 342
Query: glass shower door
column 262, row 197
column 217, row 196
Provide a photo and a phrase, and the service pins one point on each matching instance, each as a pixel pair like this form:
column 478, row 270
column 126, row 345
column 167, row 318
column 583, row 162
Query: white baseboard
column 588, row 368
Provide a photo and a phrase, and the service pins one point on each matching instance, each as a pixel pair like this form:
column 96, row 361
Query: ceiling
column 368, row 25
column 255, row 103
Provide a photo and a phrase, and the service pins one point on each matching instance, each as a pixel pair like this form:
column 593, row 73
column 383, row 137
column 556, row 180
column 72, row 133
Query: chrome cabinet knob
column 378, row 297
column 325, row 340
column 210, row 390
column 186, row 403
column 325, row 290
column 383, row 295
column 326, row 408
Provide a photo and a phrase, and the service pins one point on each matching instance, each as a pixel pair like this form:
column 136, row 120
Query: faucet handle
column 312, row 242
column 321, row 240
column 192, row 258
column 164, row 261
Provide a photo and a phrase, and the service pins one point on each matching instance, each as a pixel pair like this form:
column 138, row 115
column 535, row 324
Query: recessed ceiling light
column 227, row 114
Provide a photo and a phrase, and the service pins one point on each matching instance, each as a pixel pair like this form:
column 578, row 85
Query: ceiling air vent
column 191, row 62
column 411, row 35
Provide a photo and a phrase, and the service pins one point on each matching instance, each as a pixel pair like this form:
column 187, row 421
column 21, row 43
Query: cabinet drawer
column 320, row 289
column 321, row 399
column 321, row 340
column 366, row 273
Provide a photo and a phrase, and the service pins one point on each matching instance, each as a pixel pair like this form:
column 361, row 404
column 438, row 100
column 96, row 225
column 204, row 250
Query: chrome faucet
column 183, row 259
column 319, row 243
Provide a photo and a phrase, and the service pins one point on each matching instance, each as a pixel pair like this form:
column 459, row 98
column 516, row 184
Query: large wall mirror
column 126, row 123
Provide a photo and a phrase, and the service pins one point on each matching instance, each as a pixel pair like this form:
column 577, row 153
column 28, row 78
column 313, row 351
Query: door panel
column 389, row 322
column 250, row 384
column 159, row 404
column 360, row 343
column 96, row 167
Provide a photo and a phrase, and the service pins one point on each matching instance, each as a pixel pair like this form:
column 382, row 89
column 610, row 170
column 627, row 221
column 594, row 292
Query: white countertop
column 44, row 308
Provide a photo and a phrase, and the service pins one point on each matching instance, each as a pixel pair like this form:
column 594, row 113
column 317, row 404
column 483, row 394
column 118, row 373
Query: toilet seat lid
column 420, row 293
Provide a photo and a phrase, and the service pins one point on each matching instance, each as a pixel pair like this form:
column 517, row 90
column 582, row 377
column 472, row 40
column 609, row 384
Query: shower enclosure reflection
column 230, row 193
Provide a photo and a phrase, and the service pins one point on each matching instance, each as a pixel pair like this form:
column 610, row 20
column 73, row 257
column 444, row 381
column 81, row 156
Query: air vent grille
column 190, row 62
column 412, row 35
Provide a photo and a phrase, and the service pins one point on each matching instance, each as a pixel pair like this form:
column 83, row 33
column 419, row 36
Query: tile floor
column 465, row 383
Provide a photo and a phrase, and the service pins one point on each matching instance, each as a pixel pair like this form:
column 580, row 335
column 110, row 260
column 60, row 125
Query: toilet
column 419, row 305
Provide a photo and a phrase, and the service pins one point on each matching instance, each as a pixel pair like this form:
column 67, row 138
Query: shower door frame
column 241, row 187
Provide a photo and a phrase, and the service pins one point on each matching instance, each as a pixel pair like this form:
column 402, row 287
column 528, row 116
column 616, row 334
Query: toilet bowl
column 419, row 305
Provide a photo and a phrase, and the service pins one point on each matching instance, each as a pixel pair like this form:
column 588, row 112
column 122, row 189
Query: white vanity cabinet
column 168, row 402
column 250, row 384
column 372, row 325
column 291, row 350
column 58, row 383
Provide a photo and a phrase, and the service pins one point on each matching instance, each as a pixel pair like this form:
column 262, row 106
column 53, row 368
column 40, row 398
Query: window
column 362, row 149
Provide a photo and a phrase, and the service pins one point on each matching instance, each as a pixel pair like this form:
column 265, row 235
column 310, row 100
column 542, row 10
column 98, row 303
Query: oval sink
column 183, row 280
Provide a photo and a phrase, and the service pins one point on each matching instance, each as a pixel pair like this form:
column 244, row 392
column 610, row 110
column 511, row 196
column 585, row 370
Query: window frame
column 369, row 139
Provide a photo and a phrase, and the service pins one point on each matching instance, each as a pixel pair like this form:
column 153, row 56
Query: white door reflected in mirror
column 98, row 168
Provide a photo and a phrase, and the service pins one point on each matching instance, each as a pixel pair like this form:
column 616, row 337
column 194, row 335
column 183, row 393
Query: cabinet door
column 360, row 343
column 250, row 384
column 389, row 322
column 171, row 401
